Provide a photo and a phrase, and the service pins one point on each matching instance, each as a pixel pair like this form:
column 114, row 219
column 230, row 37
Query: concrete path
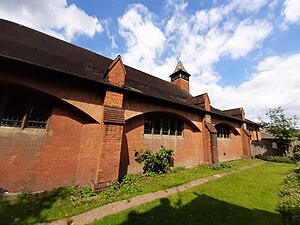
column 106, row 210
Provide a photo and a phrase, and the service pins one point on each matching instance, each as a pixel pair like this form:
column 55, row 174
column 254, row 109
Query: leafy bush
column 290, row 198
column 129, row 184
column 281, row 159
column 112, row 191
column 296, row 152
column 157, row 163
column 87, row 192
column 221, row 166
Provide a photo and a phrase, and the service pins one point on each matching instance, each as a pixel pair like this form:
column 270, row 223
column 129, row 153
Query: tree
column 281, row 127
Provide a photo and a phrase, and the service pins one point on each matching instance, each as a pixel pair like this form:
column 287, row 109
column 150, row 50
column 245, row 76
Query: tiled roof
column 28, row 45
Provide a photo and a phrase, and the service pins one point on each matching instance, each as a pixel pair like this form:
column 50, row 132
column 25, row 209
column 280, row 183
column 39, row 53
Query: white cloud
column 275, row 83
column 246, row 37
column 291, row 11
column 54, row 17
column 143, row 38
column 110, row 36
column 204, row 37
column 248, row 5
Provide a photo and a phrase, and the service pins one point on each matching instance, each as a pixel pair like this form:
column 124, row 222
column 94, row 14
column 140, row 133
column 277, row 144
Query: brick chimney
column 180, row 77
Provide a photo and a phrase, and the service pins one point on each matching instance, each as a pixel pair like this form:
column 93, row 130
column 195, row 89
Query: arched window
column 163, row 125
column 223, row 131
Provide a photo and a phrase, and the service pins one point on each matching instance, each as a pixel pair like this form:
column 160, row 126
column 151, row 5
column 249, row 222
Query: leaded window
column 223, row 132
column 163, row 125
column 21, row 111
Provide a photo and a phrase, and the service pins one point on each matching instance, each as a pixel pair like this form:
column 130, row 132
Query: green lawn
column 248, row 197
column 56, row 205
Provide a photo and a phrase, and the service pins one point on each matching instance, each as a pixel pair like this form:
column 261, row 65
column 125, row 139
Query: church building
column 71, row 116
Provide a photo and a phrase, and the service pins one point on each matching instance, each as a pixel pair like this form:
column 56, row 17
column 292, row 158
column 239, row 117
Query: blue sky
column 243, row 53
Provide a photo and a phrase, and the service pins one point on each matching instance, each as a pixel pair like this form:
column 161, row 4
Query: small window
column 163, row 126
column 223, row 132
column 172, row 127
column 14, row 110
column 23, row 112
column 156, row 125
column 148, row 125
column 38, row 116
column 179, row 127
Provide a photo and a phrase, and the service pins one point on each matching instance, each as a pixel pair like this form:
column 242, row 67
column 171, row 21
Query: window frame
column 28, row 103
column 163, row 119
column 223, row 132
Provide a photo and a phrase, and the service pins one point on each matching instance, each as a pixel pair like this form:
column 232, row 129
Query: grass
column 247, row 197
column 63, row 203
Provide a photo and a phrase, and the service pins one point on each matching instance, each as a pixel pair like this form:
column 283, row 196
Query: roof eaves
column 127, row 88
column 52, row 68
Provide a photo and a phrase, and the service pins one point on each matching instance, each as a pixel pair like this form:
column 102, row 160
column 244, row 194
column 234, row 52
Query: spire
column 179, row 67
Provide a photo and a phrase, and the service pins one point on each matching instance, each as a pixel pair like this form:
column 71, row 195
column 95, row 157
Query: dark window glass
column 172, row 127
column 148, row 125
column 156, row 125
column 23, row 112
column 165, row 126
column 38, row 116
column 13, row 111
column 223, row 132
column 179, row 127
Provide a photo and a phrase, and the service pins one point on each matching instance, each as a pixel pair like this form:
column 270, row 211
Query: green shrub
column 221, row 166
column 157, row 163
column 112, row 191
column 296, row 152
column 289, row 205
column 129, row 184
column 281, row 159
column 26, row 196
column 86, row 192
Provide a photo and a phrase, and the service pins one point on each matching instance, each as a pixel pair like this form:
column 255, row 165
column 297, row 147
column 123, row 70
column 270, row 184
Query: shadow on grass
column 27, row 208
column 203, row 210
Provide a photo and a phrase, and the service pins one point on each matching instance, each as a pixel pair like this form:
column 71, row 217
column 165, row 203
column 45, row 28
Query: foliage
column 281, row 159
column 86, row 192
column 129, row 184
column 221, row 166
column 296, row 152
column 112, row 191
column 290, row 198
column 158, row 163
column 280, row 126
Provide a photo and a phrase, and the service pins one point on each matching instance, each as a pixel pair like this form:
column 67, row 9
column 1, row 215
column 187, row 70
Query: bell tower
column 180, row 77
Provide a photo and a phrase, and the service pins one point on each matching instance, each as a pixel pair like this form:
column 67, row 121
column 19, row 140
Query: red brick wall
column 232, row 148
column 206, row 144
column 45, row 159
column 67, row 151
column 188, row 148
